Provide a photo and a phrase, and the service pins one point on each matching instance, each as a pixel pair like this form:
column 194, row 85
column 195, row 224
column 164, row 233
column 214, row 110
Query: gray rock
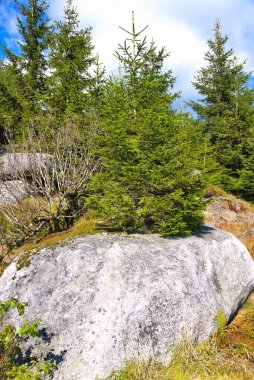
column 13, row 191
column 104, row 299
column 21, row 165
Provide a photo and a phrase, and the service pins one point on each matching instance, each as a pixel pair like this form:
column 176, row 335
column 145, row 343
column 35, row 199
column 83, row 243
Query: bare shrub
column 54, row 173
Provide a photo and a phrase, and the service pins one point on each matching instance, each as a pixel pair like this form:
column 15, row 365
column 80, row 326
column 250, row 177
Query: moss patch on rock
column 82, row 227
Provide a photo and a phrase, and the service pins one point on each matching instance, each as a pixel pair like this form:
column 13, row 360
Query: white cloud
column 185, row 45
column 182, row 26
column 8, row 17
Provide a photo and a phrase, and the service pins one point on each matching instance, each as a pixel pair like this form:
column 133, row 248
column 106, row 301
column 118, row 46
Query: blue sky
column 8, row 27
column 182, row 26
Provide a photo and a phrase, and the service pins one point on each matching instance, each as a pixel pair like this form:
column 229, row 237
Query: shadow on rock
column 45, row 336
column 204, row 230
column 54, row 358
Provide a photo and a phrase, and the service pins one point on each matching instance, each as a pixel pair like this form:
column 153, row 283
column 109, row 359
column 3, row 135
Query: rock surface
column 104, row 299
column 13, row 191
column 233, row 215
column 22, row 165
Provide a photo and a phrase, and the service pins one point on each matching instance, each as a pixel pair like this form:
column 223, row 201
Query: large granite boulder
column 104, row 299
column 22, row 165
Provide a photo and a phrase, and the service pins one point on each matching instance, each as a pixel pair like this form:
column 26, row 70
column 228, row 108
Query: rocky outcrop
column 234, row 215
column 104, row 299
column 22, row 165
column 16, row 169
column 13, row 191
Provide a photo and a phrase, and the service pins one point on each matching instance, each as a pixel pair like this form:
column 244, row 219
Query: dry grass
column 228, row 355
column 213, row 191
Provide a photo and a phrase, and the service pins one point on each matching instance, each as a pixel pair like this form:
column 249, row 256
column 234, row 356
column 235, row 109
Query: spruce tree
column 10, row 107
column 246, row 181
column 24, row 84
column 151, row 176
column 226, row 107
column 96, row 95
column 31, row 63
column 70, row 59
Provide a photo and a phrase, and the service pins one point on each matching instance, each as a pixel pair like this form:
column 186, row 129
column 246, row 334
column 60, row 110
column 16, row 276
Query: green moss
column 221, row 322
column 213, row 191
column 82, row 227
column 24, row 260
